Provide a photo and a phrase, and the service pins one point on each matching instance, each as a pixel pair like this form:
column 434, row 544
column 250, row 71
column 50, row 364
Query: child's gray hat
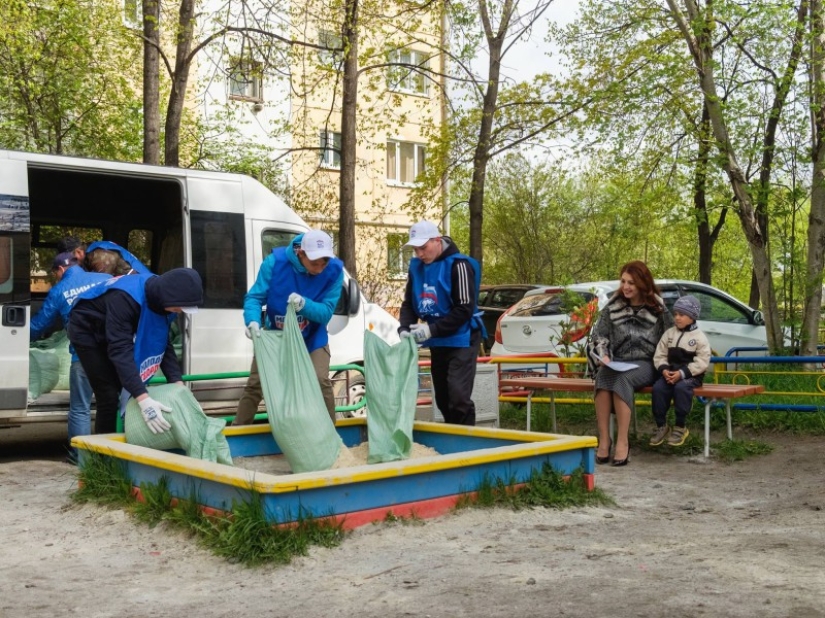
column 687, row 305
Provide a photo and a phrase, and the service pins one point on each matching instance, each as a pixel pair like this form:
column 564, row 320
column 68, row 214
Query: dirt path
column 686, row 539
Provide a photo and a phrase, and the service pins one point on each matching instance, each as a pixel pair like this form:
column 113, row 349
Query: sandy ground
column 686, row 539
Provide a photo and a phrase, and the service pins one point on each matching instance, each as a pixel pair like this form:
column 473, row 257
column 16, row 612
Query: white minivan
column 222, row 225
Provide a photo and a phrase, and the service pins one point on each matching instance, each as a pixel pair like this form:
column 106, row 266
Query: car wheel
column 349, row 387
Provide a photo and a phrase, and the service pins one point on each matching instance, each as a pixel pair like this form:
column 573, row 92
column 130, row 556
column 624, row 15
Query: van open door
column 15, row 294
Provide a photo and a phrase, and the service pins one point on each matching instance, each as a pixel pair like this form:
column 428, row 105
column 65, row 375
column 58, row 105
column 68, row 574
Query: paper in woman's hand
column 620, row 366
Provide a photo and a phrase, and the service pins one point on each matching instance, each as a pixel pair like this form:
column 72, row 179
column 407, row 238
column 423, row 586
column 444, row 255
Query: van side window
column 14, row 267
column 140, row 244
column 219, row 255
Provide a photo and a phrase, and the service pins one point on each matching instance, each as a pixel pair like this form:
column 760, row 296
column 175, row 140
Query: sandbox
column 424, row 487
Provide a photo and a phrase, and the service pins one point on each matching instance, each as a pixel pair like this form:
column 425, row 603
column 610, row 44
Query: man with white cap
column 307, row 275
column 120, row 331
column 442, row 292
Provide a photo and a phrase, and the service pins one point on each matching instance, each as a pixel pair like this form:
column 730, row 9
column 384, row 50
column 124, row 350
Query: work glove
column 404, row 334
column 151, row 411
column 420, row 332
column 297, row 301
column 253, row 330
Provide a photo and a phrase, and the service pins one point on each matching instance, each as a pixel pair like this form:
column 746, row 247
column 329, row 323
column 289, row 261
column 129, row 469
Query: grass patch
column 545, row 488
column 737, row 450
column 103, row 480
column 243, row 536
column 727, row 451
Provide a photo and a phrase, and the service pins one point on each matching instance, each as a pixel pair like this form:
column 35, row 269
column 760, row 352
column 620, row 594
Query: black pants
column 681, row 394
column 105, row 384
column 453, row 374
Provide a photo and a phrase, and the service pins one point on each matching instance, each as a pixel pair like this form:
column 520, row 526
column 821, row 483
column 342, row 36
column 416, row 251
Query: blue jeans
column 80, row 403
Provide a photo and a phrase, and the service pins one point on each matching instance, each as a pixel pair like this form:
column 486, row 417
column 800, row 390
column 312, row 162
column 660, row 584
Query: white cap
column 421, row 232
column 317, row 244
column 189, row 310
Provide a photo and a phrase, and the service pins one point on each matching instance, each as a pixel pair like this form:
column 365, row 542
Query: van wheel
column 349, row 388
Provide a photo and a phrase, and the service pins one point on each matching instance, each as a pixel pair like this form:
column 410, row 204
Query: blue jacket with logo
column 445, row 295
column 59, row 300
column 282, row 269
column 126, row 316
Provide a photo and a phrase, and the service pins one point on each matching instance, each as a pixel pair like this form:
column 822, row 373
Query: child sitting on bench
column 681, row 358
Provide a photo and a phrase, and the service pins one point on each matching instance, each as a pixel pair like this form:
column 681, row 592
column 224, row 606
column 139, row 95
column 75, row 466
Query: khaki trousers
column 253, row 392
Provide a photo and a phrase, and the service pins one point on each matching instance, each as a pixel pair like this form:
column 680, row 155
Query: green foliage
column 104, row 480
column 737, row 450
column 243, row 536
column 66, row 88
column 247, row 536
column 157, row 500
column 545, row 488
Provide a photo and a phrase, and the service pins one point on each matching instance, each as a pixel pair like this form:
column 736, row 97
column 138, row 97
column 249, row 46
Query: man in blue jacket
column 120, row 331
column 307, row 275
column 442, row 292
column 72, row 280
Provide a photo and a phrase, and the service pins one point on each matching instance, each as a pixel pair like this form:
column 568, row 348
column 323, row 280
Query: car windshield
column 553, row 303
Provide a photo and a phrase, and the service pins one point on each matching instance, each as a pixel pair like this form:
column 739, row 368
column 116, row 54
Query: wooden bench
column 712, row 393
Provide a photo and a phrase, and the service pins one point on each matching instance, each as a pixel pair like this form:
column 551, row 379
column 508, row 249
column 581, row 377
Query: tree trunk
column 697, row 34
column 495, row 42
column 177, row 95
column 816, row 217
column 700, row 207
column 346, row 219
column 763, row 189
column 151, row 82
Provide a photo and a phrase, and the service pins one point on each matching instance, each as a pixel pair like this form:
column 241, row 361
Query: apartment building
column 287, row 100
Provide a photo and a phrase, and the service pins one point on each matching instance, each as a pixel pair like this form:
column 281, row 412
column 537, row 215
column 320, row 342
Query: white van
column 222, row 225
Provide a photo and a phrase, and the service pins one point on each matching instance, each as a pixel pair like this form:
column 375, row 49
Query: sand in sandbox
column 348, row 458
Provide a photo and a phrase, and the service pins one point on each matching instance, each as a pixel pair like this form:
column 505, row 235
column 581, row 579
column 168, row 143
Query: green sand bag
column 44, row 372
column 298, row 416
column 58, row 344
column 391, row 374
column 192, row 431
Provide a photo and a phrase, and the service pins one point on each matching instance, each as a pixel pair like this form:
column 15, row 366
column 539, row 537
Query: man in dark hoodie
column 442, row 291
column 120, row 331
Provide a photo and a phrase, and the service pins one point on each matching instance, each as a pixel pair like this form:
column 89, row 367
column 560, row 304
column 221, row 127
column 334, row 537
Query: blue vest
column 286, row 280
column 76, row 282
column 153, row 329
column 431, row 287
column 127, row 256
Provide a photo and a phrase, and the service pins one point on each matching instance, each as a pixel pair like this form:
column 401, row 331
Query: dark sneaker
column 678, row 436
column 660, row 436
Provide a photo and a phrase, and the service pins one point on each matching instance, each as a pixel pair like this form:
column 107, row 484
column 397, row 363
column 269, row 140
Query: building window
column 333, row 53
column 246, row 81
column 331, row 150
column 133, row 14
column 398, row 256
column 405, row 161
column 405, row 78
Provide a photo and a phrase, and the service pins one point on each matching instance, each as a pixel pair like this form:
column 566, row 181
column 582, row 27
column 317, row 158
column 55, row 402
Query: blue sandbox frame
column 425, row 487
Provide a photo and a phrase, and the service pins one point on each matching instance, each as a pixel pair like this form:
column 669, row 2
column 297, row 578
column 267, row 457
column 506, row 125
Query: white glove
column 297, row 301
column 405, row 333
column 253, row 330
column 151, row 411
column 420, row 332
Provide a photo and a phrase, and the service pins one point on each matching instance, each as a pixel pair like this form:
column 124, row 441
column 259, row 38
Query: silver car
column 536, row 323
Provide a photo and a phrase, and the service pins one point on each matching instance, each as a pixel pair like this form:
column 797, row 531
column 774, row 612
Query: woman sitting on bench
column 628, row 330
